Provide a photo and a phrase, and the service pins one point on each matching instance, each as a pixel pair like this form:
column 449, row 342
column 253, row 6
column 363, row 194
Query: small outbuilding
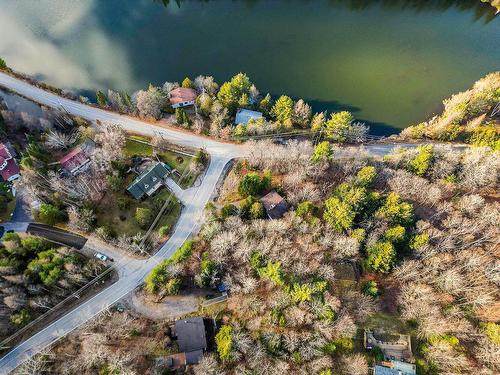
column 274, row 204
column 148, row 182
column 243, row 116
column 182, row 97
column 191, row 338
column 9, row 170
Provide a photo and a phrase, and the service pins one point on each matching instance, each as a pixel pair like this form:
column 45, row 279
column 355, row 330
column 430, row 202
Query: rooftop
column 274, row 204
column 191, row 337
column 243, row 116
column 181, row 95
column 149, row 181
column 9, row 170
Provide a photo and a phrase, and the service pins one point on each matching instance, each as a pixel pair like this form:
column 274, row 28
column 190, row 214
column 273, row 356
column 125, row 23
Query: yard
column 121, row 217
column 7, row 203
column 139, row 146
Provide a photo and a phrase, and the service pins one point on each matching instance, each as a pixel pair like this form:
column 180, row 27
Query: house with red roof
column 182, row 97
column 78, row 159
column 9, row 170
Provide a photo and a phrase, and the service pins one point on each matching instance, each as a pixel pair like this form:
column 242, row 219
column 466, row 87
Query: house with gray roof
column 243, row 116
column 274, row 204
column 148, row 182
column 192, row 338
column 395, row 368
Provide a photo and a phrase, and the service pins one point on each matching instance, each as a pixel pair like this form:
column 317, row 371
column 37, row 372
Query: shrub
column 257, row 211
column 492, row 331
column 50, row 214
column 273, row 271
column 143, row 216
column 105, row 232
column 173, row 286
column 101, row 98
column 366, row 176
column 282, row 110
column 339, row 214
column 184, row 251
column 123, row 203
column 164, row 231
column 377, row 353
column 301, row 293
column 224, row 342
column 3, row 64
column 115, row 182
column 187, row 83
column 34, row 244
column 21, row 318
column 323, row 151
column 381, row 257
column 341, row 345
column 370, row 288
column 418, row 241
column 422, row 162
column 228, row 210
column 395, row 234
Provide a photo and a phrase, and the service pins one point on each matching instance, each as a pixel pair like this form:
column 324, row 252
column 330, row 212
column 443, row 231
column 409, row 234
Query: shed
column 149, row 181
column 243, row 116
column 191, row 337
column 274, row 204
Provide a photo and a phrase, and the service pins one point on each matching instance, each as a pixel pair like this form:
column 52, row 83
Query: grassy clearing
column 122, row 221
column 135, row 147
column 388, row 323
column 9, row 209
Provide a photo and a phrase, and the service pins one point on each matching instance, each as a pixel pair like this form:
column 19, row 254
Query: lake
column 389, row 62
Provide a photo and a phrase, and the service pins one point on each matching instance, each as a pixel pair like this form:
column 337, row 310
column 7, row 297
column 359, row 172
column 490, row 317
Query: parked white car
column 102, row 257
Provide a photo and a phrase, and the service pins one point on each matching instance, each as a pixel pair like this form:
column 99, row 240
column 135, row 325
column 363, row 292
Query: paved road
column 132, row 272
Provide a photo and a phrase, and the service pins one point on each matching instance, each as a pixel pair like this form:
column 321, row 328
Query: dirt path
column 170, row 308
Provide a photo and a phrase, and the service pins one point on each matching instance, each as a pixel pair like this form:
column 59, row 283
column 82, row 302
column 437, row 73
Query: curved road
column 133, row 272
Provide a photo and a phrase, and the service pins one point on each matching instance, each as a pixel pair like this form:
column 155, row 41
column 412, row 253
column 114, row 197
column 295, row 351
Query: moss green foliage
column 253, row 184
column 301, row 293
column 273, row 272
column 381, row 257
column 282, row 111
column 322, row 151
column 488, row 135
column 50, row 214
column 3, row 64
column 208, row 271
column 101, row 98
column 164, row 230
column 423, row 161
column 257, row 211
column 48, row 266
column 337, row 127
column 144, row 216
column 181, row 117
column 341, row 345
column 396, row 234
column 224, row 342
column 277, row 317
column 343, row 207
column 492, row 331
column 266, row 105
column 230, row 92
column 187, row 83
column 366, row 176
column 228, row 210
column 396, row 211
column 21, row 318
column 370, row 288
column 159, row 279
column 377, row 354
column 418, row 241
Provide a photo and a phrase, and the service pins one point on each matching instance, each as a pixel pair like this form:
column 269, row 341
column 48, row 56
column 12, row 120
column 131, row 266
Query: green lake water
column 389, row 62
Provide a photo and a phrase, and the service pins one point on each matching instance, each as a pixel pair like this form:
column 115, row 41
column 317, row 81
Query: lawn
column 8, row 201
column 122, row 220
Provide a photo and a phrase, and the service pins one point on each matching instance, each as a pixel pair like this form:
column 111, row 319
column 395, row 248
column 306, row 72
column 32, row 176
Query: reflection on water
column 389, row 61
column 19, row 104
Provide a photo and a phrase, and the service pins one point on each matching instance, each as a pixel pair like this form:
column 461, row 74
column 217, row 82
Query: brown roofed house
column 182, row 97
column 274, row 204
column 78, row 159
